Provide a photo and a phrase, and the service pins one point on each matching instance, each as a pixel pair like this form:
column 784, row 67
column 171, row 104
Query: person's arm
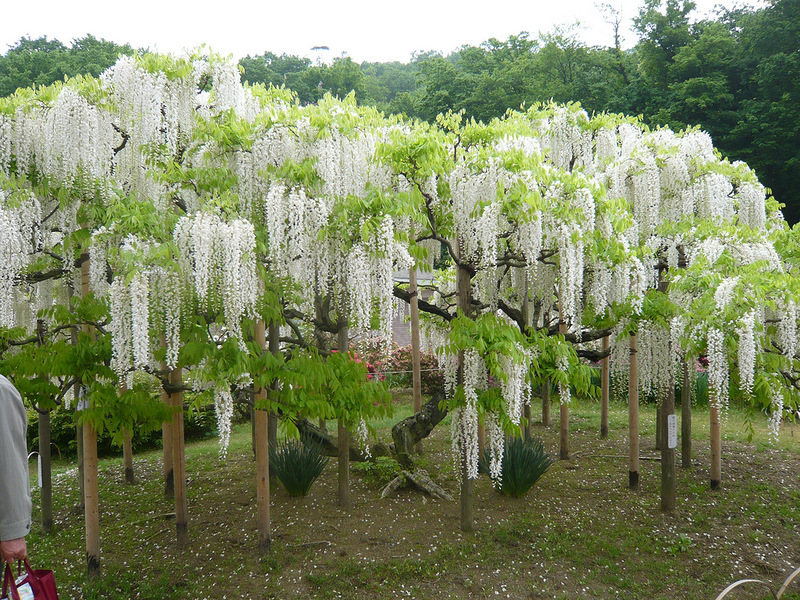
column 15, row 497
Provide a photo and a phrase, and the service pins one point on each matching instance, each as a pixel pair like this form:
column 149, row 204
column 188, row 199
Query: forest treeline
column 736, row 75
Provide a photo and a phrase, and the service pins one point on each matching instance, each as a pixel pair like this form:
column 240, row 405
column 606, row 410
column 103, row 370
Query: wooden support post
column 686, row 419
column 526, row 417
column 344, row 434
column 526, row 317
column 179, row 461
column 81, row 466
column 262, row 479
column 563, row 438
column 274, row 339
column 605, row 389
column 166, row 463
column 127, row 447
column 90, row 486
column 261, row 442
column 45, row 462
column 667, row 453
column 546, row 403
column 659, row 424
column 344, row 465
column 416, row 370
column 47, row 471
column 633, row 418
column 76, row 397
column 716, row 443
column 91, row 501
column 127, row 457
column 467, row 497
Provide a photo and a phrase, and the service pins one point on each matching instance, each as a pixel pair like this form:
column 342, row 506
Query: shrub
column 297, row 465
column 199, row 423
column 524, row 462
column 394, row 365
column 382, row 470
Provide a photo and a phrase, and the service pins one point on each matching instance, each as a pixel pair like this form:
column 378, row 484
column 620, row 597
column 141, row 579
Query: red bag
column 42, row 582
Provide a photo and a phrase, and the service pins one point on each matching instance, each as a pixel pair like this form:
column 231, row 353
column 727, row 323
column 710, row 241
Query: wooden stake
column 416, row 370
column 659, row 425
column 261, row 442
column 633, row 418
column 605, row 390
column 127, row 447
column 546, row 403
column 47, row 472
column 91, row 502
column 563, row 439
column 91, row 496
column 76, row 394
column 344, row 465
column 127, row 457
column 464, row 298
column 44, row 453
column 272, row 420
column 526, row 416
column 81, row 465
column 344, row 435
column 716, row 444
column 467, row 496
column 686, row 419
column 166, row 462
column 179, row 461
column 667, row 453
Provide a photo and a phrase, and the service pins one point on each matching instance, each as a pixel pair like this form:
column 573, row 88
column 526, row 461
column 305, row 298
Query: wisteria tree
column 189, row 211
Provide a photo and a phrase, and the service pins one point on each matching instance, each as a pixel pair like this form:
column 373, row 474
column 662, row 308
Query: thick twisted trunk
column 406, row 434
column 410, row 431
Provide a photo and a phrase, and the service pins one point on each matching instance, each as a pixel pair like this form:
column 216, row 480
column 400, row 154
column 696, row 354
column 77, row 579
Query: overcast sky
column 362, row 29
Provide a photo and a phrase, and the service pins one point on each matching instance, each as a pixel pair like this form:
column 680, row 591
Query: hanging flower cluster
column 465, row 419
column 223, row 405
column 718, row 374
column 14, row 250
column 222, row 260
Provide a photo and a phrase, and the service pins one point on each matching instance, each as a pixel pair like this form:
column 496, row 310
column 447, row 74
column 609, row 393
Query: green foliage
column 297, row 464
column 336, row 387
column 198, row 424
column 682, row 544
column 524, row 463
column 382, row 470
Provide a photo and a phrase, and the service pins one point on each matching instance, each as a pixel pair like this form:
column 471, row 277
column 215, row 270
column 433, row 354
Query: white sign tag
column 672, row 431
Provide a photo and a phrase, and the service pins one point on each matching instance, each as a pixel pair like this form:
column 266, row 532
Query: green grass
column 580, row 533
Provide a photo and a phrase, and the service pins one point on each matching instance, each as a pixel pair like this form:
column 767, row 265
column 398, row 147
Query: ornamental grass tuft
column 524, row 462
column 297, row 465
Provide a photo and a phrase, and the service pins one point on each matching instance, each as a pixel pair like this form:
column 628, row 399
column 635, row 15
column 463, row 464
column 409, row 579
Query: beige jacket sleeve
column 15, row 494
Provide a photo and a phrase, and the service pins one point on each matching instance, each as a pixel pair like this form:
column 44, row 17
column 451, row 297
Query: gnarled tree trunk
column 410, row 431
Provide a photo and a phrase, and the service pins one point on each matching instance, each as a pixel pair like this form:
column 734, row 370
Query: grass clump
column 297, row 465
column 524, row 462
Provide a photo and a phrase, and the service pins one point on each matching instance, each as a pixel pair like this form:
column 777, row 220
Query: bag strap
column 9, row 584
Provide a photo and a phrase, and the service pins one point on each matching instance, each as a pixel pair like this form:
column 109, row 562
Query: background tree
column 42, row 61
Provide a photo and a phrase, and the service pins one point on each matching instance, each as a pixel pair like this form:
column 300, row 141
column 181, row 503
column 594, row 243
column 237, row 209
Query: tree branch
column 403, row 294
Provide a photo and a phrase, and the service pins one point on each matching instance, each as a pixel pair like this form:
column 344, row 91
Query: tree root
column 420, row 480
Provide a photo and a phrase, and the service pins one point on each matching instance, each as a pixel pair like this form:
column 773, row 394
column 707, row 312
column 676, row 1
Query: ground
column 580, row 533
